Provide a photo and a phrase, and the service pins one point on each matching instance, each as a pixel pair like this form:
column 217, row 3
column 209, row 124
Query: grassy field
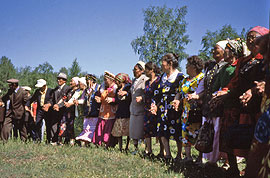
column 19, row 159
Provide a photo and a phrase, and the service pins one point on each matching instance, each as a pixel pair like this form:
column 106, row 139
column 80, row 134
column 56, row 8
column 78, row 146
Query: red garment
column 34, row 109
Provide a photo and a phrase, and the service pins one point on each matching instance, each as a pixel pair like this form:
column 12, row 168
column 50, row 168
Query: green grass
column 40, row 160
column 21, row 160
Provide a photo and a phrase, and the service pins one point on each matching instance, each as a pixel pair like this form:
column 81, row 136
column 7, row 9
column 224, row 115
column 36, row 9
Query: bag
column 239, row 136
column 205, row 139
column 195, row 116
column 262, row 129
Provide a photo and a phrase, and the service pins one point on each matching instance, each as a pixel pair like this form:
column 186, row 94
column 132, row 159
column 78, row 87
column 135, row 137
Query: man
column 42, row 96
column 15, row 100
column 2, row 113
column 59, row 95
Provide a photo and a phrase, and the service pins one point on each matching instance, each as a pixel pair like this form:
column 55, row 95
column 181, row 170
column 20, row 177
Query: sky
column 98, row 33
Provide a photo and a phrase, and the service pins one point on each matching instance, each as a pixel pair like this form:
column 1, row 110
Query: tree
column 211, row 38
column 45, row 71
column 74, row 70
column 164, row 32
column 7, row 71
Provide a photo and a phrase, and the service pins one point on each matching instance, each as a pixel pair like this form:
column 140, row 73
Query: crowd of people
column 231, row 93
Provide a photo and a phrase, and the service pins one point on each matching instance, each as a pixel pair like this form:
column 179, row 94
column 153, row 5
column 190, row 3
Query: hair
column 196, row 62
column 140, row 67
column 152, row 66
column 171, row 58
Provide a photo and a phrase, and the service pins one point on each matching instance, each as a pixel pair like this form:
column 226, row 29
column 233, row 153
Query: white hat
column 76, row 80
column 82, row 80
column 62, row 76
column 222, row 44
column 26, row 88
column 141, row 63
column 40, row 83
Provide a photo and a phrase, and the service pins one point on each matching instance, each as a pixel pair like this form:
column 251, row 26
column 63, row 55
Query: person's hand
column 246, row 97
column 260, row 86
column 2, row 104
column 192, row 96
column 122, row 93
column 98, row 99
column 46, row 107
column 56, row 107
column 27, row 108
column 67, row 105
column 76, row 102
column 109, row 99
column 153, row 109
column 175, row 104
column 221, row 93
column 139, row 99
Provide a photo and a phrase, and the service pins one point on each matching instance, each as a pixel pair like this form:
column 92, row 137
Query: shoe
column 54, row 144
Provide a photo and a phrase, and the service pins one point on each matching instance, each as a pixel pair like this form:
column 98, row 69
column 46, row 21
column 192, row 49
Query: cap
column 26, row 88
column 62, row 76
column 109, row 75
column 12, row 80
column 40, row 83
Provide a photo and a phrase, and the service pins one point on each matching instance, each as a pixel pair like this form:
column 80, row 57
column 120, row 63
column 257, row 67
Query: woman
column 234, row 50
column 137, row 104
column 67, row 123
column 168, row 119
column 107, row 111
column 123, row 99
column 258, row 159
column 152, row 71
column 248, row 70
column 191, row 117
column 91, row 110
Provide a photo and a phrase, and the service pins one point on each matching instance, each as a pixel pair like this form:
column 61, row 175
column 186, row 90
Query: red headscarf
column 261, row 30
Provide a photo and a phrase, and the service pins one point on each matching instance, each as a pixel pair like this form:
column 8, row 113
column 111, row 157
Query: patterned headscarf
column 91, row 77
column 222, row 44
column 238, row 47
column 123, row 78
column 259, row 29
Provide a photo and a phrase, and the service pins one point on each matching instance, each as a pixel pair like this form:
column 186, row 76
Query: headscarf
column 82, row 80
column 91, row 77
column 109, row 75
column 259, row 29
column 238, row 47
column 123, row 78
column 76, row 80
column 222, row 44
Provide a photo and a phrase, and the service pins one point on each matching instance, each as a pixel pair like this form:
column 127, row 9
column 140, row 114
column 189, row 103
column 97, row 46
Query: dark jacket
column 123, row 103
column 37, row 97
column 17, row 103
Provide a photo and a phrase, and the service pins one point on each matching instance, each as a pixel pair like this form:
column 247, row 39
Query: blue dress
column 168, row 120
column 150, row 120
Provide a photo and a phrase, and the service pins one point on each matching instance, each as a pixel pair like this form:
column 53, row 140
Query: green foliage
column 164, row 32
column 74, row 70
column 211, row 38
column 7, row 71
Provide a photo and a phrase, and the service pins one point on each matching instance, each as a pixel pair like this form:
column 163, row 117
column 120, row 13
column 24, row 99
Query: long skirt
column 121, row 127
column 136, row 127
column 258, row 164
column 103, row 131
column 215, row 154
column 89, row 126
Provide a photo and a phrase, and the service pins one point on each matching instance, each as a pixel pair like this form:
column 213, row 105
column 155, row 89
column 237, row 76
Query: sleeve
column 32, row 99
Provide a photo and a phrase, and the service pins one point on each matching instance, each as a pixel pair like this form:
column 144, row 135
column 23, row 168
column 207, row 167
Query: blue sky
column 99, row 33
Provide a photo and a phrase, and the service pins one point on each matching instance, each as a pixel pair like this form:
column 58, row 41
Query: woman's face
column 137, row 72
column 191, row 70
column 108, row 82
column 251, row 37
column 228, row 55
column 166, row 67
column 82, row 86
column 72, row 83
column 148, row 72
column 218, row 53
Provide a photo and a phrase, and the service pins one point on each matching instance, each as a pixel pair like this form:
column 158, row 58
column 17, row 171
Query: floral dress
column 190, row 130
column 150, row 120
column 168, row 120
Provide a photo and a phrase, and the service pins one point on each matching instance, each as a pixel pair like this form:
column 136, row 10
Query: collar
column 62, row 86
column 171, row 78
column 17, row 89
column 43, row 91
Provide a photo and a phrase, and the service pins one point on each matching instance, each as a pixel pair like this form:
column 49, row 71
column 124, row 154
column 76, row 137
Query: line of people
column 232, row 90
